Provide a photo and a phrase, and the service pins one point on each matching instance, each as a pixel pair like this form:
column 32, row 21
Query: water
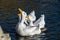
column 9, row 18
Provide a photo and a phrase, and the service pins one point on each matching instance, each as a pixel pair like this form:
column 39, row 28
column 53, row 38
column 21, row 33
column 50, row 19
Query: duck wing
column 30, row 29
column 40, row 21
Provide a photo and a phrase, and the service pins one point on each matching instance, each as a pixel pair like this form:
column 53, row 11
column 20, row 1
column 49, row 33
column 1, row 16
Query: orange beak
column 20, row 10
column 19, row 14
column 27, row 17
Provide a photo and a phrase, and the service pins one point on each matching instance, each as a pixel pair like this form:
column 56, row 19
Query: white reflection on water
column 36, row 37
column 28, row 38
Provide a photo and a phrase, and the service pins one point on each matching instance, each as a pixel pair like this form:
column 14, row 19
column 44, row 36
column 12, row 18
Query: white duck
column 32, row 18
column 20, row 26
column 40, row 23
column 24, row 30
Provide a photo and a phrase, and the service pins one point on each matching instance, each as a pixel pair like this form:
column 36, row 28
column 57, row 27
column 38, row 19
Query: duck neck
column 22, row 19
column 31, row 23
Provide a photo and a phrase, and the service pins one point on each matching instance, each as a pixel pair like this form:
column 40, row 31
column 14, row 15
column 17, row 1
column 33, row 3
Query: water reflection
column 35, row 37
column 29, row 38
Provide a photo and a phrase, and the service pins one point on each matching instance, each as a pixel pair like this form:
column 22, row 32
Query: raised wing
column 40, row 21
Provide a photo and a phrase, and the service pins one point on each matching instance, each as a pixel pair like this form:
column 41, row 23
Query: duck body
column 20, row 29
column 27, row 31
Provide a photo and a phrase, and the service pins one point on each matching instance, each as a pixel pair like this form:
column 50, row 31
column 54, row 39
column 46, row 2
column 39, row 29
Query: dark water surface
column 51, row 9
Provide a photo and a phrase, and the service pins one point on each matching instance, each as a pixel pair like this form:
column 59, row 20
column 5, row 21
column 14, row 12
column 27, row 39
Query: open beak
column 20, row 10
column 19, row 14
column 27, row 17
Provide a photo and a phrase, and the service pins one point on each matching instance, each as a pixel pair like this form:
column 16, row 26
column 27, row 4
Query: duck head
column 23, row 15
